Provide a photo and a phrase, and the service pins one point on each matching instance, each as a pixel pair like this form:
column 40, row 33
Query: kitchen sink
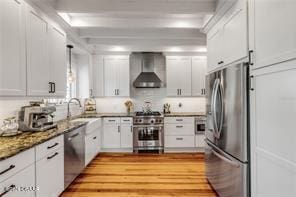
column 92, row 123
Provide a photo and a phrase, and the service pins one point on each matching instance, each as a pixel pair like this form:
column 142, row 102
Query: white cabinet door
column 116, row 76
column 199, row 67
column 215, row 49
column 178, row 68
column 98, row 76
column 273, row 137
column 91, row 146
column 38, row 70
column 235, row 30
column 272, row 30
column 126, row 135
column 123, row 83
column 111, row 136
column 58, row 63
column 12, row 48
column 50, row 174
column 200, row 140
column 24, row 179
column 110, row 77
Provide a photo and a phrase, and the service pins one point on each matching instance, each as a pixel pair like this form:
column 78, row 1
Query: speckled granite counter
column 10, row 146
column 185, row 114
column 105, row 115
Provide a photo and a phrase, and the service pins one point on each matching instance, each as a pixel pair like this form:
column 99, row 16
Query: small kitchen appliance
column 36, row 118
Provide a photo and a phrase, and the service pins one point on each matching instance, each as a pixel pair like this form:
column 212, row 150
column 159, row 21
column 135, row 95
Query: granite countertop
column 105, row 115
column 185, row 114
column 10, row 146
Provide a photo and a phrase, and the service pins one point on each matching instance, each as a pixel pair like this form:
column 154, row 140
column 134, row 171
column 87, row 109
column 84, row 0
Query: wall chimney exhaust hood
column 148, row 78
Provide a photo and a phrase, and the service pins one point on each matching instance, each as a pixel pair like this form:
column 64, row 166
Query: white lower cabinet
column 273, row 137
column 92, row 144
column 117, row 133
column 21, row 184
column 200, row 140
column 126, row 136
column 50, row 173
column 179, row 132
column 179, row 141
column 111, row 135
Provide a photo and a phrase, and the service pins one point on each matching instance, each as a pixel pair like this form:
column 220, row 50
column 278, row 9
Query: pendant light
column 71, row 76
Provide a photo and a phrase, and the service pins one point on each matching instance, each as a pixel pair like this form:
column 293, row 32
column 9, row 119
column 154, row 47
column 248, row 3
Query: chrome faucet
column 68, row 108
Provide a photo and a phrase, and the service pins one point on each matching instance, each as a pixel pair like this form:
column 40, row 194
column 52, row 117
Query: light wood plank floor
column 143, row 175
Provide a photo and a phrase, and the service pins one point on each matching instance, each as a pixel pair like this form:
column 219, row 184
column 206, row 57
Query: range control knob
column 152, row 121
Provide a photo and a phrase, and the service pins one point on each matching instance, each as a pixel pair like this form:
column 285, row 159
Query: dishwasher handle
column 73, row 136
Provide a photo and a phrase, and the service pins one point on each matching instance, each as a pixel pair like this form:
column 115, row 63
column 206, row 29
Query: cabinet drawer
column 179, row 129
column 126, row 120
column 179, row 120
column 23, row 180
column 179, row 141
column 48, row 147
column 14, row 164
column 111, row 120
column 50, row 174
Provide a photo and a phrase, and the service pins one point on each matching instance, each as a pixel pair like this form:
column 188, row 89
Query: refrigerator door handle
column 220, row 126
column 213, row 104
column 222, row 157
column 226, row 159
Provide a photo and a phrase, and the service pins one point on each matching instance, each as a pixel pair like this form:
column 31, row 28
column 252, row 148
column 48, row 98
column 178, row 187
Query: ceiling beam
column 141, row 33
column 140, row 6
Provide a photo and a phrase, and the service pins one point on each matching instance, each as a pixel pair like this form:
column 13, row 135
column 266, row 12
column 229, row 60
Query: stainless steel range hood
column 148, row 78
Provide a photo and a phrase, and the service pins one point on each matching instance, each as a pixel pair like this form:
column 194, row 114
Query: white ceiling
column 139, row 25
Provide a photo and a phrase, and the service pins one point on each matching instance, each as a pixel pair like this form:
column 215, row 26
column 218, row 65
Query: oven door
column 148, row 137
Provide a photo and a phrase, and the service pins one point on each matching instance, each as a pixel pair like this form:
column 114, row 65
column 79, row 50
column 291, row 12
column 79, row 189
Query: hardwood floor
column 139, row 175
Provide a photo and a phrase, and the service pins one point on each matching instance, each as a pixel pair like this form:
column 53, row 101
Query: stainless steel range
column 148, row 132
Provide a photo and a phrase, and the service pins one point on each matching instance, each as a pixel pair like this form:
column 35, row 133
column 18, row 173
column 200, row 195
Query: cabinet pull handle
column 54, row 87
column 118, row 129
column 117, row 91
column 179, row 120
column 50, row 157
column 179, row 138
column 177, row 91
column 49, row 147
column 7, row 190
column 111, row 120
column 50, row 87
column 8, row 169
column 179, row 126
column 250, row 57
column 95, row 137
column 131, row 129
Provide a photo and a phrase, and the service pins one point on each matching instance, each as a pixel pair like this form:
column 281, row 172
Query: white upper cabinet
column 228, row 40
column 58, row 64
column 116, row 76
column 178, row 76
column 272, row 31
column 38, row 69
column 12, row 48
column 235, row 39
column 199, row 68
column 215, row 48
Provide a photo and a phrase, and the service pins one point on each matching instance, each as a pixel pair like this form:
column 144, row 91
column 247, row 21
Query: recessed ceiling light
column 201, row 49
column 175, row 49
column 117, row 48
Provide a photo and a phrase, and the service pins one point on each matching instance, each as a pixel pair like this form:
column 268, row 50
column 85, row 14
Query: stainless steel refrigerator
column 227, row 132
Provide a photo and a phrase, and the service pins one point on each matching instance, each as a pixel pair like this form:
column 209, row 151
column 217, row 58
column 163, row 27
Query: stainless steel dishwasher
column 74, row 154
